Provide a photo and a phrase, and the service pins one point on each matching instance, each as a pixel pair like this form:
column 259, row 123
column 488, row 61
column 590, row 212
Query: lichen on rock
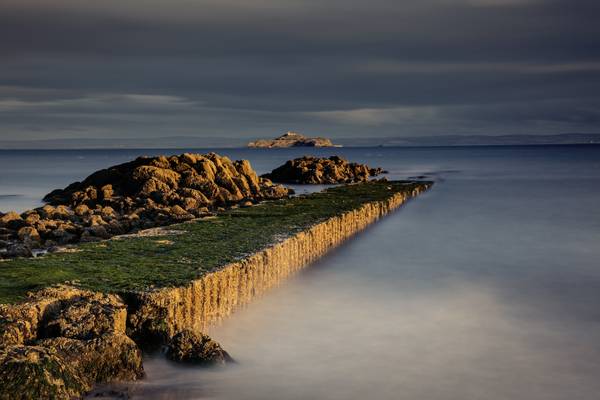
column 107, row 358
column 87, row 317
column 36, row 372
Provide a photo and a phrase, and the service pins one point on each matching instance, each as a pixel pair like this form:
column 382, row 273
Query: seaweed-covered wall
column 160, row 314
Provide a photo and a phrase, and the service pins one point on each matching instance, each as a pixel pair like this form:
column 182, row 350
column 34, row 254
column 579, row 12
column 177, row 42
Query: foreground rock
column 35, row 372
column 314, row 170
column 62, row 341
column 292, row 139
column 146, row 192
column 189, row 347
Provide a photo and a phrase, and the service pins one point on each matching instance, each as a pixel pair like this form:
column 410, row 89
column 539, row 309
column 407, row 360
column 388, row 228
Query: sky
column 257, row 68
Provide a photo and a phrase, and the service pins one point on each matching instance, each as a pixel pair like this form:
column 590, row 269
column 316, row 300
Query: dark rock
column 7, row 234
column 187, row 346
column 15, row 250
column 61, row 236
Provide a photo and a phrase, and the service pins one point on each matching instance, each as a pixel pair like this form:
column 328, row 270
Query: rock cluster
column 61, row 341
column 314, row 170
column 190, row 347
column 146, row 192
column 292, row 139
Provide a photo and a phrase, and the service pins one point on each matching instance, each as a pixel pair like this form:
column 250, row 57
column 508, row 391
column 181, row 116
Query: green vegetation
column 138, row 263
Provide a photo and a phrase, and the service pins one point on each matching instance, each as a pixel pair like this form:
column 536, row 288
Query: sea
column 486, row 287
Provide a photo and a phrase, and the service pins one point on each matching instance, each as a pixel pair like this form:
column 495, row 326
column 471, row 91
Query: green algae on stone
column 141, row 263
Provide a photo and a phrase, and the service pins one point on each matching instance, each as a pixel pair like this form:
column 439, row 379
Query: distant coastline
column 189, row 142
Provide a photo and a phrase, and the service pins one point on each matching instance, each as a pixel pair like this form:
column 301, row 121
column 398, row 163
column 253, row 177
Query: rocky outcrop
column 146, row 192
column 196, row 348
column 314, row 170
column 62, row 341
column 292, row 139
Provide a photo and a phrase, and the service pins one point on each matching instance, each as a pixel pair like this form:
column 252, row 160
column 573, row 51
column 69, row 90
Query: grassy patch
column 142, row 262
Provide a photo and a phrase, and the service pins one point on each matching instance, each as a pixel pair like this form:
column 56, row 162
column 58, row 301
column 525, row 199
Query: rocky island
column 70, row 320
column 292, row 139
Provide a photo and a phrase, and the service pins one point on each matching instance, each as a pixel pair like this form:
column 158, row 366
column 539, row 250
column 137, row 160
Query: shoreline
column 153, row 316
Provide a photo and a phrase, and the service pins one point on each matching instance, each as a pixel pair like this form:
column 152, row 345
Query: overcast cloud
column 246, row 68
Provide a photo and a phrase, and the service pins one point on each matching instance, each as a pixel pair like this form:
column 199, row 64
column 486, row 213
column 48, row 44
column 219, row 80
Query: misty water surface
column 487, row 287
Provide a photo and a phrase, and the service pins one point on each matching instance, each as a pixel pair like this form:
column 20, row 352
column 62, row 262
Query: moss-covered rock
column 107, row 358
column 88, row 316
column 35, row 372
column 62, row 340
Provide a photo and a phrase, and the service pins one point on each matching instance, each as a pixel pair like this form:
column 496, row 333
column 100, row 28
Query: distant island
column 293, row 139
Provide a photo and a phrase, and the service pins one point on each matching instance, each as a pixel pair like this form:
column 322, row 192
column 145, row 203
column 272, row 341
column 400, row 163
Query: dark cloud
column 254, row 67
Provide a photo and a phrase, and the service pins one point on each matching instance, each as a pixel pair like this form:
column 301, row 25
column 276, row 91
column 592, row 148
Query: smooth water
column 486, row 287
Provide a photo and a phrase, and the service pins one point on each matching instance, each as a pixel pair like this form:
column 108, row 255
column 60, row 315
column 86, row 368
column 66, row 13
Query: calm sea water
column 486, row 287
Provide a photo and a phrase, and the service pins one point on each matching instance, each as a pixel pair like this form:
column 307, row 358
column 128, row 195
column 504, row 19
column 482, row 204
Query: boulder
column 8, row 217
column 82, row 210
column 88, row 316
column 108, row 213
column 62, row 212
column 61, row 236
column 107, row 191
column 15, row 250
column 153, row 185
column 95, row 220
column 107, row 358
column 147, row 172
column 28, row 234
column 46, row 211
column 31, row 217
column 189, row 347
